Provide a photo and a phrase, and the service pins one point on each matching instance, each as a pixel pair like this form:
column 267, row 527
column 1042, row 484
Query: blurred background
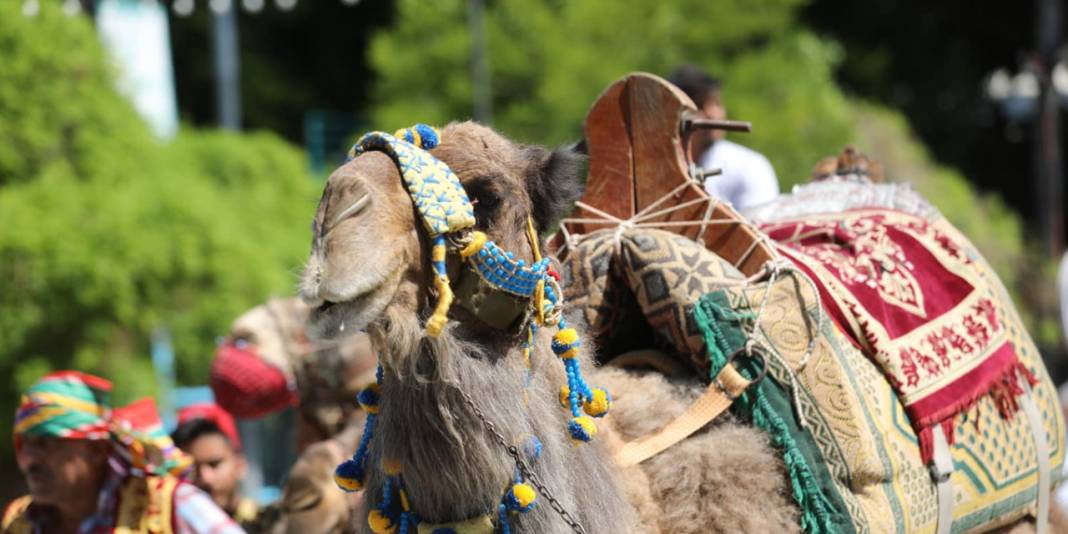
column 160, row 160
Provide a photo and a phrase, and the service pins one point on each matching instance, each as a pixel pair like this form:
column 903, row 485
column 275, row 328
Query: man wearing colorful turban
column 92, row 469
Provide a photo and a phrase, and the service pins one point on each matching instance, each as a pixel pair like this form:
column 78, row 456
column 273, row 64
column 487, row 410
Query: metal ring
column 749, row 350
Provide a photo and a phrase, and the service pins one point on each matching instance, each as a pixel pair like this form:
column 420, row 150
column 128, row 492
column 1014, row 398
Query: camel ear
column 556, row 180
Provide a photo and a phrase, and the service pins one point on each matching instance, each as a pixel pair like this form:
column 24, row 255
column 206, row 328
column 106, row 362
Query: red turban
column 215, row 414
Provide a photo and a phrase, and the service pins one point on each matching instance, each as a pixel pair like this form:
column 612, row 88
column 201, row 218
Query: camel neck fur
column 452, row 467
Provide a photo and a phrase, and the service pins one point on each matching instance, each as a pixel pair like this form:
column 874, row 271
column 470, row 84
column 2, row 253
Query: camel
column 452, row 407
column 326, row 377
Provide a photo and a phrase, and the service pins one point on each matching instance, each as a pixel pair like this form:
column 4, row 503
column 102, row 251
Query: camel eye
column 483, row 198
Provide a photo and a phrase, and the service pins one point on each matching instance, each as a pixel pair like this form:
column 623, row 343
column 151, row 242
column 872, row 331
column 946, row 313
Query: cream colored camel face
column 274, row 329
column 367, row 241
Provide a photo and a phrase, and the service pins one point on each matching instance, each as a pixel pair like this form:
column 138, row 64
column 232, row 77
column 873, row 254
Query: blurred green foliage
column 107, row 234
column 550, row 59
column 995, row 229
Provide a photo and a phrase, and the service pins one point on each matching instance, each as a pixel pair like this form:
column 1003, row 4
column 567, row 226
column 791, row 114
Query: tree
column 107, row 234
column 550, row 59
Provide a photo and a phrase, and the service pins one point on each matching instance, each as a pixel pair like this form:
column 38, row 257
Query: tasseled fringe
column 814, row 505
column 816, row 508
column 1004, row 392
column 926, row 438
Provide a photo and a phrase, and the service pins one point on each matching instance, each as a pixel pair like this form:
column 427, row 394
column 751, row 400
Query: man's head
column 62, row 438
column 60, row 469
column 219, row 465
column 704, row 90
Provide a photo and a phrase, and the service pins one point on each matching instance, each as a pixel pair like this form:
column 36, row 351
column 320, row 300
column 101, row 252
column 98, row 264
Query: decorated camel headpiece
column 448, row 218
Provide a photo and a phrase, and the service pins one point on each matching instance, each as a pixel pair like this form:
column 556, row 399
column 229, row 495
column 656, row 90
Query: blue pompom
column 532, row 448
column 349, row 475
column 428, row 135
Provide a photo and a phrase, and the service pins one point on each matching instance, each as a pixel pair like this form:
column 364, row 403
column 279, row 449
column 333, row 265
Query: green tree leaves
column 550, row 60
column 107, row 234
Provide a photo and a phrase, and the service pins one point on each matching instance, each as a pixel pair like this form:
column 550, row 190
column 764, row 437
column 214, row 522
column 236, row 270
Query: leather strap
column 1038, row 434
column 942, row 468
column 719, row 395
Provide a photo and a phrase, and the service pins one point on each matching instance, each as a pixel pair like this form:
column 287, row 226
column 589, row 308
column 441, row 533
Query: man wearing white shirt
column 748, row 178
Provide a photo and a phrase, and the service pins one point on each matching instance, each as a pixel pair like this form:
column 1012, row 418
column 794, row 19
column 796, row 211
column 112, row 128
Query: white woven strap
column 1038, row 434
column 942, row 468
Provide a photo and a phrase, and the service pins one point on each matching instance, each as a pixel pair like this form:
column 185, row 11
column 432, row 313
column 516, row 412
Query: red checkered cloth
column 247, row 386
column 907, row 292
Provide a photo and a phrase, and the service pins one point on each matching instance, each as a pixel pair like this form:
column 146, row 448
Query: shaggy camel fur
column 369, row 269
column 327, row 375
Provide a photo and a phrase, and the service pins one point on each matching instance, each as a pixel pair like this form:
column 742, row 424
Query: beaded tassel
column 379, row 519
column 579, row 396
column 437, row 321
column 352, row 473
column 407, row 518
column 502, row 519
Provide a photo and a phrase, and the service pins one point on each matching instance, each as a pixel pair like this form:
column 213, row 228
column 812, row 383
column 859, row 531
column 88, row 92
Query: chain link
column 528, row 474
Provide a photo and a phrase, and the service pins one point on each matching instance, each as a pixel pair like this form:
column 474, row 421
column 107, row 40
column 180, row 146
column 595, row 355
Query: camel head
column 370, row 251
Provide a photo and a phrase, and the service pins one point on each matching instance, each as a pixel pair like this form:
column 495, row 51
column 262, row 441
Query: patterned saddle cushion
column 861, row 429
column 652, row 277
column 855, row 420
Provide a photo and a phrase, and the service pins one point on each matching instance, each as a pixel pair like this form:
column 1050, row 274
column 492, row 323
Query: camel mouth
column 339, row 318
column 335, row 319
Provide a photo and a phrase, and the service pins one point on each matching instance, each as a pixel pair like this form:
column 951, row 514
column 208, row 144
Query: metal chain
column 513, row 451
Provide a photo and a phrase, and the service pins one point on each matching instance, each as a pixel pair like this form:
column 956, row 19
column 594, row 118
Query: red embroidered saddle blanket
column 905, row 290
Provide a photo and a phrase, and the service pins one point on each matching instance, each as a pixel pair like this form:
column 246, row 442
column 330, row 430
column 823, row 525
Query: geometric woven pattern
column 435, row 190
column 587, row 282
column 862, row 430
column 668, row 273
column 850, row 409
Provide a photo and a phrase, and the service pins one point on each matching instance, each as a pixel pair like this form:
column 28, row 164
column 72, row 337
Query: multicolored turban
column 66, row 404
column 76, row 405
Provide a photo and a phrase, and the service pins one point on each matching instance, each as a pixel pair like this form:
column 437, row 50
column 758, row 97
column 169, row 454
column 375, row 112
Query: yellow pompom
column 582, row 428
column 599, row 404
column 566, row 336
column 570, row 353
column 380, row 523
column 391, row 465
column 565, row 392
column 478, row 240
column 524, row 495
column 347, row 484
